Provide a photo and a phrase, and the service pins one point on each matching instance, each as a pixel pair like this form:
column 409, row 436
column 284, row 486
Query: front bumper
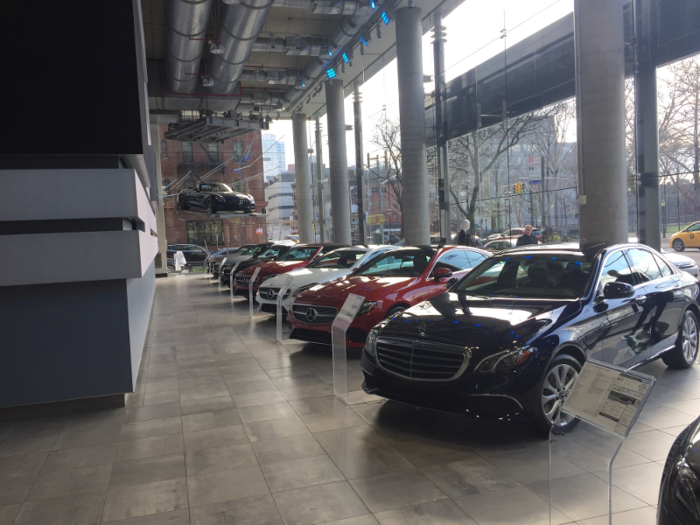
column 321, row 333
column 508, row 396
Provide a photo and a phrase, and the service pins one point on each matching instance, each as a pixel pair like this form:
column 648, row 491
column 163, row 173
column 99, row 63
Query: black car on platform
column 509, row 339
column 679, row 497
column 214, row 197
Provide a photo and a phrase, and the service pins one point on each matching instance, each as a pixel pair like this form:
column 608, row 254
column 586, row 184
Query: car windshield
column 274, row 250
column 398, row 263
column 247, row 250
column 299, row 254
column 339, row 259
column 537, row 276
column 217, row 187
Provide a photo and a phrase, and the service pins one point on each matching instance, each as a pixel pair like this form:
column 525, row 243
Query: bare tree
column 387, row 136
column 480, row 157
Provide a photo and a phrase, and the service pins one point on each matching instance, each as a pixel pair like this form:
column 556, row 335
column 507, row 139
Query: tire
column 678, row 245
column 395, row 310
column 182, row 203
column 171, row 269
column 685, row 352
column 556, row 384
column 211, row 207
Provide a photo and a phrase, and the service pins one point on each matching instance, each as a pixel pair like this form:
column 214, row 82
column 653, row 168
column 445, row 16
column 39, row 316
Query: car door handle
column 641, row 299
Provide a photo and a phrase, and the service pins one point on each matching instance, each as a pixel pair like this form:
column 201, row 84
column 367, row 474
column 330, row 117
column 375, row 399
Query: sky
column 474, row 33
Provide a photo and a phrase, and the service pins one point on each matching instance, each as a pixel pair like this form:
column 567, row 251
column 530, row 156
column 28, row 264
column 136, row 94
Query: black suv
column 194, row 255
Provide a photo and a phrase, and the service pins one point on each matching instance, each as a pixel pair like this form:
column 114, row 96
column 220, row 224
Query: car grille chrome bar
column 312, row 314
column 271, row 293
column 422, row 360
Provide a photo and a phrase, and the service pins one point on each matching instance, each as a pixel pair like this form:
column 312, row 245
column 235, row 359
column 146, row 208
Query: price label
column 609, row 397
column 350, row 307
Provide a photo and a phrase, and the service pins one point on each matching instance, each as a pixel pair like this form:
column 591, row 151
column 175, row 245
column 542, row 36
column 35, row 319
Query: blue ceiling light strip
column 345, row 58
column 331, row 73
column 385, row 18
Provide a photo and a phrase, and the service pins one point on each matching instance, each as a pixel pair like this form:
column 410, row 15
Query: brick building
column 184, row 163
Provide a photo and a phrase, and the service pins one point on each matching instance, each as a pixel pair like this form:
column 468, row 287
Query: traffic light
column 518, row 187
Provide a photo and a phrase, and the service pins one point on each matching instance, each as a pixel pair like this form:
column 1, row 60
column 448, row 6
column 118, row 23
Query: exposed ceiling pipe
column 349, row 28
column 270, row 76
column 325, row 7
column 240, row 25
column 296, row 4
column 186, row 26
column 294, row 45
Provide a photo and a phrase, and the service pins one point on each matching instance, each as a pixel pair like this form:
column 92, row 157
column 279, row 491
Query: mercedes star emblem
column 421, row 329
column 311, row 314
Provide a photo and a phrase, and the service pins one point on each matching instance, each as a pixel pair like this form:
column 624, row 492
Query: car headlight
column 686, row 486
column 303, row 289
column 268, row 277
column 371, row 342
column 505, row 360
column 223, row 263
column 366, row 307
column 219, row 198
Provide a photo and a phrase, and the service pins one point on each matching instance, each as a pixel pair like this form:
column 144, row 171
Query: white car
column 335, row 264
column 682, row 262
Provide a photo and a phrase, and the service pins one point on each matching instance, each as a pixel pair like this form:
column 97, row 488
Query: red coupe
column 390, row 283
column 299, row 256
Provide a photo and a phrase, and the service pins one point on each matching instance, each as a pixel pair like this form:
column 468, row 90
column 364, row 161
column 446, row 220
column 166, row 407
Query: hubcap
column 690, row 339
column 557, row 385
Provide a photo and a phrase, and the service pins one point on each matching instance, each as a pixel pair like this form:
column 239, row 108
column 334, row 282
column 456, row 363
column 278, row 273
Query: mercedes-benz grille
column 311, row 314
column 422, row 360
column 271, row 293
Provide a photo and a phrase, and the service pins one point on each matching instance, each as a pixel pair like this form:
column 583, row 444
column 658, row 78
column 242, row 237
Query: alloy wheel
column 690, row 339
column 678, row 245
column 558, row 383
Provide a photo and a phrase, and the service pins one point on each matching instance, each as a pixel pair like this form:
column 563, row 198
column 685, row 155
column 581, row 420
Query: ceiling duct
column 185, row 20
column 284, row 77
column 296, row 4
column 293, row 45
column 240, row 25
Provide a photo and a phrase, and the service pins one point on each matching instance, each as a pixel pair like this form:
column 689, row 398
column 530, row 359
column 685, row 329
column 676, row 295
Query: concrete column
column 647, row 127
column 340, row 193
column 162, row 257
column 359, row 166
column 600, row 105
column 412, row 115
column 303, row 179
column 319, row 182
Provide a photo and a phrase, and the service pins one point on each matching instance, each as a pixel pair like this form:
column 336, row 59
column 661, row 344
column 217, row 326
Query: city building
column 274, row 160
column 279, row 193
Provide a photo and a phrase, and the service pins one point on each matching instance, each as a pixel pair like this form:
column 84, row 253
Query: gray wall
column 140, row 294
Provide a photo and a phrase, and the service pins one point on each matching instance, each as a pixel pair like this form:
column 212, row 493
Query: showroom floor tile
column 226, row 425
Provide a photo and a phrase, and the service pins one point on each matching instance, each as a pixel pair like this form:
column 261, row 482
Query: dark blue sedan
column 509, row 339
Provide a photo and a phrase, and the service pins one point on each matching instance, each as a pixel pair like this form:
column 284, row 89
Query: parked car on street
column 333, row 265
column 219, row 255
column 682, row 262
column 194, row 254
column 500, row 244
column 390, row 283
column 299, row 256
column 679, row 496
column 214, row 197
column 263, row 253
column 509, row 340
column 688, row 237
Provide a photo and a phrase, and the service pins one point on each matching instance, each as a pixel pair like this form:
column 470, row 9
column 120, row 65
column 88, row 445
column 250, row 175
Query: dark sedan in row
column 509, row 339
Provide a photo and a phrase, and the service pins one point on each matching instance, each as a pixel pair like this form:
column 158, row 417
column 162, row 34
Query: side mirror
column 618, row 290
column 441, row 273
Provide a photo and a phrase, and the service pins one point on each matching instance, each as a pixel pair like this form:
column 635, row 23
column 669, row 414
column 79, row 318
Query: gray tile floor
column 228, row 426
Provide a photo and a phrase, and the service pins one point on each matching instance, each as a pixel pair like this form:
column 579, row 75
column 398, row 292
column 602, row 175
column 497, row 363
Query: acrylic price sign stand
column 230, row 281
column 338, row 338
column 280, row 297
column 251, row 295
column 594, row 421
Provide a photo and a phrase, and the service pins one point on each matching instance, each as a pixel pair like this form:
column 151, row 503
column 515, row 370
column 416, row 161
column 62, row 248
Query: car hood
column 276, row 267
column 233, row 259
column 371, row 288
column 304, row 276
column 485, row 325
column 691, row 445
